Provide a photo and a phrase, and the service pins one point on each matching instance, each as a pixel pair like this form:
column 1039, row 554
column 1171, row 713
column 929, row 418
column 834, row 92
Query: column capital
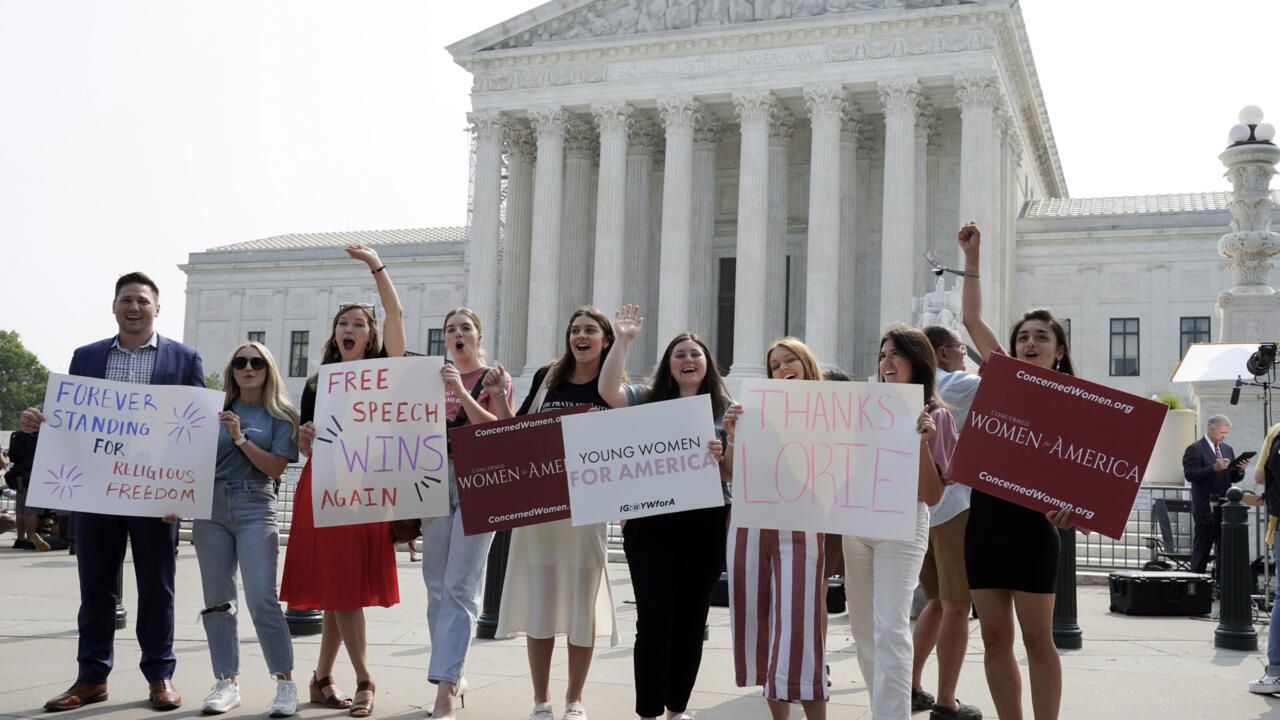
column 900, row 98
column 644, row 136
column 926, row 120
column 486, row 125
column 708, row 128
column 867, row 140
column 519, row 139
column 977, row 91
column 782, row 126
column 851, row 123
column 827, row 101
column 754, row 106
column 678, row 113
column 580, row 141
column 613, row 116
column 545, row 120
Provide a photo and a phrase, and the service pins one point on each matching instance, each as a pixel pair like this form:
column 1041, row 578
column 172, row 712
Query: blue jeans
column 1273, row 635
column 453, row 570
column 242, row 531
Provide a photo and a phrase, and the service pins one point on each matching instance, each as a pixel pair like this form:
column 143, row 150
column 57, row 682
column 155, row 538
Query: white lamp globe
column 1266, row 132
column 1250, row 115
column 1238, row 134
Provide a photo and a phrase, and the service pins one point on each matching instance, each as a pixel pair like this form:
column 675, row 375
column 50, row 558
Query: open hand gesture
column 627, row 322
column 364, row 253
column 969, row 238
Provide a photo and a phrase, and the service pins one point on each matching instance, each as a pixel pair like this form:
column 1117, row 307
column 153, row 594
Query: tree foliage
column 213, row 381
column 22, row 379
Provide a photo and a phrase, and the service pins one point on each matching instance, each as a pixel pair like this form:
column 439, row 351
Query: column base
column 304, row 622
column 1235, row 638
column 1068, row 637
column 122, row 616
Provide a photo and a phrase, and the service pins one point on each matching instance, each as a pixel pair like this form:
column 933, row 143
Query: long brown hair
column 564, row 367
column 332, row 354
column 1063, row 364
column 797, row 347
column 664, row 384
column 914, row 345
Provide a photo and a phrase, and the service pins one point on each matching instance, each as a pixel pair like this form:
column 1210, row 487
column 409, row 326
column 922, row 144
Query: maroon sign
column 511, row 472
column 1047, row 441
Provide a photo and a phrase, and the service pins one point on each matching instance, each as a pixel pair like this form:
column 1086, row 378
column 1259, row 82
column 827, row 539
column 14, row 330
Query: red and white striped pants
column 777, row 597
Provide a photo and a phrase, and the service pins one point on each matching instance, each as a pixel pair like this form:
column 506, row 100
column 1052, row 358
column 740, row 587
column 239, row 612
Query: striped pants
column 777, row 598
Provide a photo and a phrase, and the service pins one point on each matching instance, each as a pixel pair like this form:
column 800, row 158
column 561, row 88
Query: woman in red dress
column 342, row 570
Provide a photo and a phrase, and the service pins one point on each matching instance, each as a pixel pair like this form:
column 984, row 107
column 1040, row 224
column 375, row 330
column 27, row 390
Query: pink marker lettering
column 878, row 480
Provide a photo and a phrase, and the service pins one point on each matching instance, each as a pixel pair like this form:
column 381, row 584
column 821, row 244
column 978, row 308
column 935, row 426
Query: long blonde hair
column 274, row 398
column 796, row 346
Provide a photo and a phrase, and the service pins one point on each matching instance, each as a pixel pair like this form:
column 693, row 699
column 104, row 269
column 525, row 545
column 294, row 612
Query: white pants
column 879, row 579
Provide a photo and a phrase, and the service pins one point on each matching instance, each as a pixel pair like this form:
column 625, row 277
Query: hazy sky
column 135, row 132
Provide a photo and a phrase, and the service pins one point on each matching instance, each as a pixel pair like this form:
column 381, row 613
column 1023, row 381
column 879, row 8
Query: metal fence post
column 1235, row 625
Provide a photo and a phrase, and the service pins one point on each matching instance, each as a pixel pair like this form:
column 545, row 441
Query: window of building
column 435, row 341
column 258, row 336
column 724, row 323
column 1124, row 347
column 298, row 342
column 1192, row 330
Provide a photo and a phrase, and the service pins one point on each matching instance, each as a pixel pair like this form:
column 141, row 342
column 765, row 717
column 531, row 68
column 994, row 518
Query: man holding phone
column 1210, row 465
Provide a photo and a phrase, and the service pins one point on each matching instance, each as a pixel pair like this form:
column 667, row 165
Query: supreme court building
column 747, row 169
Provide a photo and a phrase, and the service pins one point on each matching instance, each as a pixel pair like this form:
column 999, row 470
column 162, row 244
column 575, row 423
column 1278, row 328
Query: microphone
column 1235, row 392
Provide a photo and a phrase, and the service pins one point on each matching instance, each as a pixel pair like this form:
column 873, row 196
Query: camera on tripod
column 1262, row 360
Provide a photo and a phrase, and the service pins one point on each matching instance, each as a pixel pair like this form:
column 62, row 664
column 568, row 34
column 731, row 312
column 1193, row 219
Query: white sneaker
column 285, row 703
column 542, row 711
column 1268, row 684
column 224, row 696
column 575, row 711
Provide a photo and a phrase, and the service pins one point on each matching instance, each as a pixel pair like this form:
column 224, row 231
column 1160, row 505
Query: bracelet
column 240, row 440
column 970, row 274
column 375, row 272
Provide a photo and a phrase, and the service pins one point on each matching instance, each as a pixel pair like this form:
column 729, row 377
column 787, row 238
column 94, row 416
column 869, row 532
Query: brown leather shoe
column 78, row 695
column 164, row 696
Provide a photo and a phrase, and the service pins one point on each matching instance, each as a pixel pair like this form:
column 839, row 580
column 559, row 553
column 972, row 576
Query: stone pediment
column 571, row 20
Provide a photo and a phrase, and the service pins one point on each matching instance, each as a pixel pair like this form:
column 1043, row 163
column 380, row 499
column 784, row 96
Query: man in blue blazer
column 137, row 354
column 1209, row 464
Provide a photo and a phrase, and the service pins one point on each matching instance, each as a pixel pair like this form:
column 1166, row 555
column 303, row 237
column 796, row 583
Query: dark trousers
column 100, row 547
column 675, row 561
column 1204, row 538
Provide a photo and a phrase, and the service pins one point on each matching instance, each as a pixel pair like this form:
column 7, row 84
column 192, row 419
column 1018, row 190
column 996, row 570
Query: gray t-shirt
column 262, row 429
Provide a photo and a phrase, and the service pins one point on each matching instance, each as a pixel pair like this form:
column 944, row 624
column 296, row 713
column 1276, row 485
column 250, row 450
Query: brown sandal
column 363, row 705
column 323, row 692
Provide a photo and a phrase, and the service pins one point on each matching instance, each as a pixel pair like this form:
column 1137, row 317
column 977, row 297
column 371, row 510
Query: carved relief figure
column 653, row 15
column 810, row 8
column 741, row 11
column 681, row 14
column 626, row 18
column 777, row 9
column 713, row 12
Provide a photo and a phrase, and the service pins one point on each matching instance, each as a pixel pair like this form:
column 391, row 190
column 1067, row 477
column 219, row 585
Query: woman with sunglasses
column 556, row 581
column 454, row 569
column 257, row 440
column 672, row 596
column 342, row 570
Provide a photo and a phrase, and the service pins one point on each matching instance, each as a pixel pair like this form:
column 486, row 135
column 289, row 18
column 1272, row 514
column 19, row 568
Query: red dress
column 346, row 567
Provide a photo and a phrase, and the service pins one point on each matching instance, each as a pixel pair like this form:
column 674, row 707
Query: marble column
column 707, row 132
column 543, row 344
column 486, row 201
column 782, row 128
column 924, row 126
column 867, row 249
column 1008, row 160
column 900, row 100
column 575, row 219
column 612, row 121
column 644, row 138
column 846, row 306
column 517, row 235
column 678, row 116
column 826, row 110
column 753, row 110
column 977, row 96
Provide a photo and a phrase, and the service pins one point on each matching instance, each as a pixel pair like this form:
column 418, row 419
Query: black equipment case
column 1140, row 592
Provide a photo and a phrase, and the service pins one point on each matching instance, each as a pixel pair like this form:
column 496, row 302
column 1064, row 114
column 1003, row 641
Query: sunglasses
column 241, row 363
column 347, row 306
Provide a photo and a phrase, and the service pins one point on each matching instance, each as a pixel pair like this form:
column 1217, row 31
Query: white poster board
column 838, row 457
column 650, row 459
column 380, row 451
column 126, row 449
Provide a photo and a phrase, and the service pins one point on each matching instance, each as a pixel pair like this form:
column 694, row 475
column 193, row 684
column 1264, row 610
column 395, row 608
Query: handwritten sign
column 511, row 473
column 1050, row 441
column 124, row 449
column 650, row 459
column 838, row 457
column 380, row 451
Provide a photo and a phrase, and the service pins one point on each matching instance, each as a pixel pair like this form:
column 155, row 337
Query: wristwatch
column 240, row 440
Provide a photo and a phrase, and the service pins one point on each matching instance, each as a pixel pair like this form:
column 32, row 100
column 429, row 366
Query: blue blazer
column 176, row 364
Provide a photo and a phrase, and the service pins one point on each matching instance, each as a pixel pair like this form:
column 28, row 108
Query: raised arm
column 393, row 338
column 984, row 340
column 626, row 326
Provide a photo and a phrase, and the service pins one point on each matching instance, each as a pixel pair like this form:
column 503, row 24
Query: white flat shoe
column 575, row 711
column 542, row 711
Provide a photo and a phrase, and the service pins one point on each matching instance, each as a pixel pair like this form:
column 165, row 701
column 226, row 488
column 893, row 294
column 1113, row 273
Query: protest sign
column 511, row 472
column 650, row 459
column 838, row 457
column 1046, row 441
column 380, row 451
column 125, row 449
